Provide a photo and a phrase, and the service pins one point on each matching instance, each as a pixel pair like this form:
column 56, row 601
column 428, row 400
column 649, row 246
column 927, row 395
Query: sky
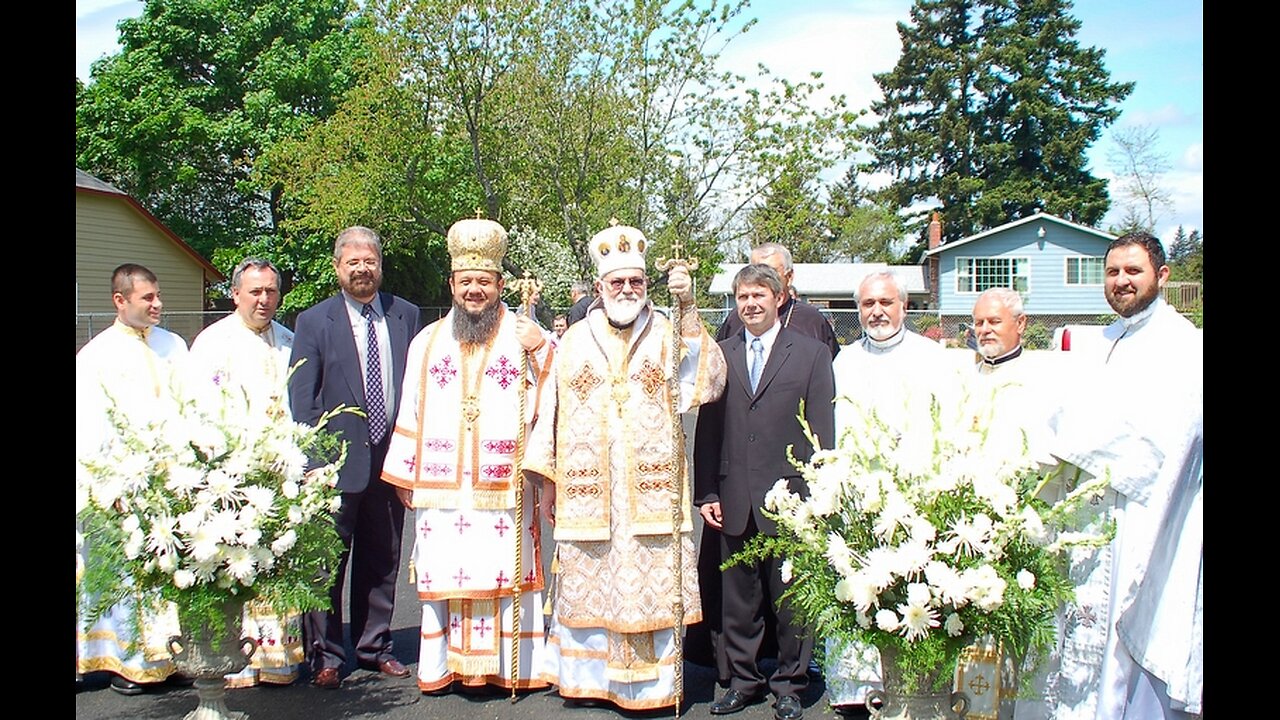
column 1157, row 44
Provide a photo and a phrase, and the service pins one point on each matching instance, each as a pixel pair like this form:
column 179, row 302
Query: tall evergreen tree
column 989, row 111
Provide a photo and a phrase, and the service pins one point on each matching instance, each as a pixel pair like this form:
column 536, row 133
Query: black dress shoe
column 731, row 702
column 125, row 686
column 788, row 708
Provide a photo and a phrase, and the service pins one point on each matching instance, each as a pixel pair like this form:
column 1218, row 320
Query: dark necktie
column 377, row 405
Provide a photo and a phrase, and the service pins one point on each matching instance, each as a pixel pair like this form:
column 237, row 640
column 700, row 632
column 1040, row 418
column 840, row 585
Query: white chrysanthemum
column 295, row 515
column 184, row 479
column 260, row 498
column 916, row 621
column 163, row 537
column 911, row 558
column 130, row 524
column 207, row 439
column 877, row 567
column 838, row 554
column 184, row 579
column 204, row 544
column 887, row 620
column 241, row 565
column 1033, row 527
column 780, row 498
column 947, row 583
column 844, row 590
column 954, row 626
column 968, row 535
column 250, row 537
column 1026, row 579
column 225, row 524
column 986, row 587
column 285, row 542
column 918, row 594
column 222, row 484
column 824, row 498
column 289, row 489
column 167, row 562
column 785, row 570
column 897, row 512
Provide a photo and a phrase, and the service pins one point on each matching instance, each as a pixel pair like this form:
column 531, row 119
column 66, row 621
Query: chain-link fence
column 1039, row 335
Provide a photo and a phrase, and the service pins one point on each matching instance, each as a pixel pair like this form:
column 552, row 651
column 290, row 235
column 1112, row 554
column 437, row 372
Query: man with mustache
column 453, row 460
column 887, row 370
column 604, row 449
column 352, row 348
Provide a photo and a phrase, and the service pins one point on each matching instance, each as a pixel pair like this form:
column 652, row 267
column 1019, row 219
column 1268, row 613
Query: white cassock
column 1143, row 420
column 139, row 372
column 889, row 377
column 233, row 369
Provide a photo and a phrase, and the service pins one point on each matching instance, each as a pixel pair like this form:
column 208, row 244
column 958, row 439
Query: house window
column 973, row 275
column 1084, row 270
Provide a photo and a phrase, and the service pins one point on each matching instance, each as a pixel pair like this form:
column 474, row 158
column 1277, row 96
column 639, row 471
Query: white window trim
column 1013, row 266
column 1066, row 272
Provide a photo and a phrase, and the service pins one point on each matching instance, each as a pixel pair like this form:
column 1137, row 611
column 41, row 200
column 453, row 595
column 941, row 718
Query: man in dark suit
column 795, row 314
column 741, row 451
column 353, row 346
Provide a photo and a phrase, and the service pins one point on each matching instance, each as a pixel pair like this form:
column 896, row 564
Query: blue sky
column 1158, row 44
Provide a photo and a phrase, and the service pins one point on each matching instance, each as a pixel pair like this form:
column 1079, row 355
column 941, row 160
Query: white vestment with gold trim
column 456, row 445
column 235, row 369
column 605, row 437
column 140, row 377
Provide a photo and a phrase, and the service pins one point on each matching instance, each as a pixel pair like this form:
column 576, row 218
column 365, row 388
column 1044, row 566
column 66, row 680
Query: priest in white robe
column 887, row 371
column 1142, row 422
column 240, row 365
column 614, row 476
column 134, row 366
column 469, row 396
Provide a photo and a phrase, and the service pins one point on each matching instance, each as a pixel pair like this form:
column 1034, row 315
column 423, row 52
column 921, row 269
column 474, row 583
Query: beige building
column 112, row 228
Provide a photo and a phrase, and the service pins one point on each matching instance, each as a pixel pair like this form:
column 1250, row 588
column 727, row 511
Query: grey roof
column 828, row 280
column 85, row 180
column 1001, row 228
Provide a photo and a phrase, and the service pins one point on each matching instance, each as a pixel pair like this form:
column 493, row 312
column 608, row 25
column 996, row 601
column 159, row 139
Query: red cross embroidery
column 502, row 578
column 502, row 527
column 409, row 464
column 426, row 526
column 461, row 577
column 455, row 623
column 482, row 627
column 462, row 524
column 529, row 578
column 503, row 371
column 426, row 580
column 443, row 371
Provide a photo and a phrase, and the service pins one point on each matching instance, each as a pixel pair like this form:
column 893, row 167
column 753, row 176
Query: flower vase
column 208, row 656
column 922, row 704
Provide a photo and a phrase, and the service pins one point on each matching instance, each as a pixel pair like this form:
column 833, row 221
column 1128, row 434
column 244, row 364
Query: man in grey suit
column 741, row 451
column 353, row 346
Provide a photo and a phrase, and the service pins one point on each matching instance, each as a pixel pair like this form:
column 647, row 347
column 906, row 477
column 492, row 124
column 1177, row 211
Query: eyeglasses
column 637, row 283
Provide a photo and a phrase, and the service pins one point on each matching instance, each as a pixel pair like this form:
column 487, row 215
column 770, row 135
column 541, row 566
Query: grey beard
column 475, row 328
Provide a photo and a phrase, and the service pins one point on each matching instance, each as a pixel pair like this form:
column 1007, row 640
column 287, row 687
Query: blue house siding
column 1047, row 289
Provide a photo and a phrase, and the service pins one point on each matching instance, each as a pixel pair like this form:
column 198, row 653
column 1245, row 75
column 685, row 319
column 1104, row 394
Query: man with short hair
column 1133, row 645
column 742, row 443
column 470, row 394
column 888, row 371
column 135, row 366
column 352, row 349
column 613, row 478
column 240, row 364
column 558, row 325
column 580, row 294
column 794, row 314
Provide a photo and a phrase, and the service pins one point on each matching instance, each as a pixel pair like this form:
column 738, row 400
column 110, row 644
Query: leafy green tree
column 199, row 92
column 989, row 111
column 861, row 229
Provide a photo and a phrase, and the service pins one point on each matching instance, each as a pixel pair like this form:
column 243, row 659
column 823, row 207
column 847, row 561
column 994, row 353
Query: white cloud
column 1164, row 116
column 1193, row 157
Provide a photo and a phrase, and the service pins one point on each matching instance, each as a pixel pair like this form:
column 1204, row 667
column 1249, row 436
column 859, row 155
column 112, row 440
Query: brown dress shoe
column 389, row 666
column 327, row 678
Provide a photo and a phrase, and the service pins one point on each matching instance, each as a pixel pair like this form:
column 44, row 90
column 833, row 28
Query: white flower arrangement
column 927, row 534
column 209, row 506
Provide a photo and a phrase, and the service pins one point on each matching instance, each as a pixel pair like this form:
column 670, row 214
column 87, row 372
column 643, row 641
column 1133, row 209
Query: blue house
column 1055, row 264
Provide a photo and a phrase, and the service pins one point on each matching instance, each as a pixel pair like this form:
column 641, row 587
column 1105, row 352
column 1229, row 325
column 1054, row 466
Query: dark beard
column 475, row 328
